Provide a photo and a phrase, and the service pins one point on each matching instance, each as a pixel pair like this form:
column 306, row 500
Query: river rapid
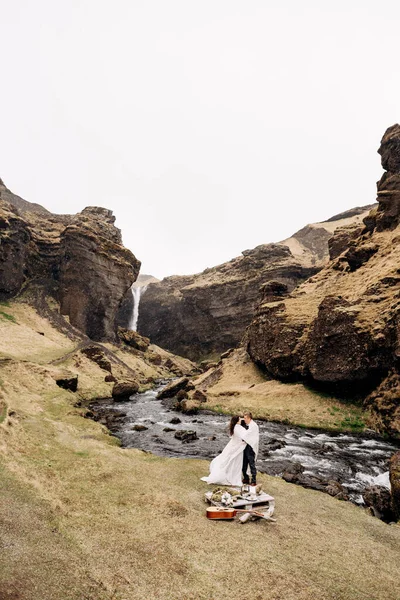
column 354, row 460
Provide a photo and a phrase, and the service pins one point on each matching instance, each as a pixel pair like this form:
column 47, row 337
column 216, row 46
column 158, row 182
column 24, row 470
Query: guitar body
column 218, row 512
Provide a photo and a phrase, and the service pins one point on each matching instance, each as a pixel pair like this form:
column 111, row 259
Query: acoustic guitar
column 220, row 512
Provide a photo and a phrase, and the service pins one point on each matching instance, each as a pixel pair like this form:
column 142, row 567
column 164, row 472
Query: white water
column 137, row 293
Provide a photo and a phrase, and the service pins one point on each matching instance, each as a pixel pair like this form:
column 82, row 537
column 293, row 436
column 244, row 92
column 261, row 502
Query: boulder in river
column 378, row 499
column 122, row 390
column 294, row 473
column 186, row 435
column 173, row 388
column 139, row 428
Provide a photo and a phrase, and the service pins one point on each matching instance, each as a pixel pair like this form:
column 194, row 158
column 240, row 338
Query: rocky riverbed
column 342, row 465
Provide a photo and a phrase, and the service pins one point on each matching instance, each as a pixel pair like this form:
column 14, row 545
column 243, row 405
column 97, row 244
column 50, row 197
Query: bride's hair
column 234, row 421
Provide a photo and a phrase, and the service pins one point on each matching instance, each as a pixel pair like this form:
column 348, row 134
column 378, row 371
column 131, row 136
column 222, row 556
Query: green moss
column 8, row 317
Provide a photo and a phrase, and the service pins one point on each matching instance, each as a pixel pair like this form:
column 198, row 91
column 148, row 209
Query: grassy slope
column 242, row 386
column 85, row 519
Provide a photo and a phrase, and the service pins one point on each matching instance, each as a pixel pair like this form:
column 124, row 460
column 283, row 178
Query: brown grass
column 244, row 387
column 85, row 519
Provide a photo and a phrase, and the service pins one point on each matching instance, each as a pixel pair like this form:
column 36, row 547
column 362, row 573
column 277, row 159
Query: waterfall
column 136, row 292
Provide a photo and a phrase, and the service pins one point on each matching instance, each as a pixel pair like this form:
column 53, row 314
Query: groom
column 251, row 438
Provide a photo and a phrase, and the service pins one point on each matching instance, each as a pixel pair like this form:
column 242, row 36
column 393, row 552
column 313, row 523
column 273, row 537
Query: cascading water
column 137, row 293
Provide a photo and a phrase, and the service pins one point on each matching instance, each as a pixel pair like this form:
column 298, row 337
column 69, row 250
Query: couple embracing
column 232, row 466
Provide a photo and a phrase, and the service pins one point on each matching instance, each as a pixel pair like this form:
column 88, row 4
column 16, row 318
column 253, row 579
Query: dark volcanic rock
column 122, row 390
column 15, row 239
column 199, row 396
column 205, row 314
column 97, row 355
column 388, row 212
column 272, row 340
column 339, row 330
column 133, row 339
column 338, row 349
column 378, row 499
column 173, row 388
column 68, row 383
column 186, row 435
column 294, row 473
column 356, row 256
column 79, row 259
column 95, row 272
column 394, row 471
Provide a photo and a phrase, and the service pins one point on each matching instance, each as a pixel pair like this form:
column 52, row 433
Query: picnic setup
column 246, row 503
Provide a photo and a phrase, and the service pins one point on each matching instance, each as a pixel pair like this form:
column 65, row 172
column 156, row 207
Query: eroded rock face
column 15, row 241
column 205, row 314
column 80, row 258
column 95, row 272
column 395, row 484
column 340, row 329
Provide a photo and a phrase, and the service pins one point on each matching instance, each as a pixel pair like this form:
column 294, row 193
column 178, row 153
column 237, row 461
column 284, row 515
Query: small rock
column 175, row 421
column 168, row 429
column 275, row 445
column 139, row 428
column 186, row 435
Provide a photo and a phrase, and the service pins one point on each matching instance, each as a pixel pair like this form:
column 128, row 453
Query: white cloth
column 226, row 468
column 252, row 436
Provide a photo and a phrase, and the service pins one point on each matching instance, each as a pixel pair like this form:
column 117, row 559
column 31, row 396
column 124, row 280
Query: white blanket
column 251, row 436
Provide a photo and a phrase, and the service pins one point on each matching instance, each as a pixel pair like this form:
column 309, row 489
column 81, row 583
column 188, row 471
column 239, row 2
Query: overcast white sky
column 207, row 126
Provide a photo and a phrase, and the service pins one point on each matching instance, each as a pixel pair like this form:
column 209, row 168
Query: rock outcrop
column 79, row 258
column 340, row 329
column 395, row 484
column 205, row 314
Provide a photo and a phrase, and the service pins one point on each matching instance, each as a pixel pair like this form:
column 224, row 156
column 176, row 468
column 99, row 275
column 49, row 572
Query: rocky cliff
column 200, row 315
column 340, row 329
column 79, row 258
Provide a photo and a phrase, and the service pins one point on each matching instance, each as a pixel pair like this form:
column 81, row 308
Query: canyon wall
column 200, row 315
column 340, row 329
column 80, row 259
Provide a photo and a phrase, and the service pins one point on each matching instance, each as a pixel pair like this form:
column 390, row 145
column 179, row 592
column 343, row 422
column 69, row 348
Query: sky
column 207, row 126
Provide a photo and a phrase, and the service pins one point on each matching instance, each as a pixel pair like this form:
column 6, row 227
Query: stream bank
column 341, row 464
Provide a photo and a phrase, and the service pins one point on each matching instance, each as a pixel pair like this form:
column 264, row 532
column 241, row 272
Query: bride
column 226, row 468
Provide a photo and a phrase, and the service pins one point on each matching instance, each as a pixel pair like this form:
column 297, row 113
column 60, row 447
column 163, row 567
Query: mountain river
column 354, row 460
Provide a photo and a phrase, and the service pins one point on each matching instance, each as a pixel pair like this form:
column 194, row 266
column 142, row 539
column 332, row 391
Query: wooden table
column 263, row 504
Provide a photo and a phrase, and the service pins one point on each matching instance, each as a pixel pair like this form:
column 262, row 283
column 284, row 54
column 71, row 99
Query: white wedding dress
column 226, row 468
